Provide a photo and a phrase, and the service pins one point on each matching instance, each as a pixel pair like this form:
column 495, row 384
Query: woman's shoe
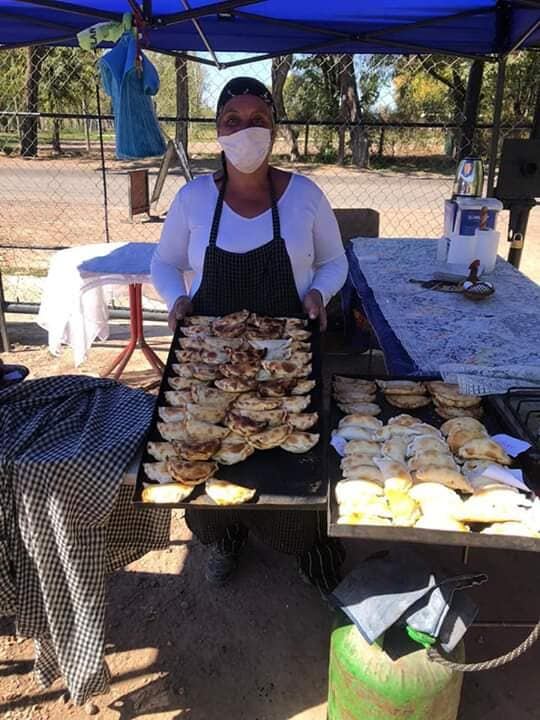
column 221, row 564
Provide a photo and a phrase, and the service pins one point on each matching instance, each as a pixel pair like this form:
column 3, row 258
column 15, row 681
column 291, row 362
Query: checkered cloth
column 65, row 520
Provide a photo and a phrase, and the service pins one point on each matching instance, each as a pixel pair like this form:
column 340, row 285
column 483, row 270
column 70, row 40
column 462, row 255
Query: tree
column 29, row 125
column 280, row 70
column 350, row 112
column 182, row 99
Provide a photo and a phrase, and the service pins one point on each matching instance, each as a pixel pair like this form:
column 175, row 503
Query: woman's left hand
column 314, row 307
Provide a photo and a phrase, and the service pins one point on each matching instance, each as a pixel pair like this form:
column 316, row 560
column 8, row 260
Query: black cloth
column 65, row 519
column 245, row 86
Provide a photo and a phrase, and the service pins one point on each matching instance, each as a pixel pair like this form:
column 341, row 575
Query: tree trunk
column 29, row 125
column 280, row 70
column 470, row 111
column 182, row 100
column 458, row 97
column 350, row 111
column 380, row 151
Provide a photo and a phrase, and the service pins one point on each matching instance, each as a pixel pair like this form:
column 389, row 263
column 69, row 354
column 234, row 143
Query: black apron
column 261, row 281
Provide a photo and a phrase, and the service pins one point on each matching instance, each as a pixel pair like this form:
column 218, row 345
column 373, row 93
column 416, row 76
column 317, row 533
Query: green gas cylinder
column 366, row 684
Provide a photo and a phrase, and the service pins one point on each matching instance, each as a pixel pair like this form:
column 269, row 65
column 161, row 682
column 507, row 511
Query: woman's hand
column 314, row 307
column 181, row 308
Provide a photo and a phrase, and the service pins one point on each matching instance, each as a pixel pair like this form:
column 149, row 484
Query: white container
column 442, row 249
column 462, row 250
column 467, row 215
column 487, row 244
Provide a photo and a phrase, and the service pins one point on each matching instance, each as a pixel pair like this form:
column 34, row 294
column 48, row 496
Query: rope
column 435, row 656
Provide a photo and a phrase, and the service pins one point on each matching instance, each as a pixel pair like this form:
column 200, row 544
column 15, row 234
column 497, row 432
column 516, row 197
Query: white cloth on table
column 308, row 227
column 74, row 306
column 494, row 343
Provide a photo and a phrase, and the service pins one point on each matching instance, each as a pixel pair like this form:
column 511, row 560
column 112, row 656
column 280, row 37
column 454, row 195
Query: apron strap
column 276, row 225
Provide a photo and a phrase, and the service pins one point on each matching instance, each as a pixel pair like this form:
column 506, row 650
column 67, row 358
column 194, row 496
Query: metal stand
column 517, row 227
column 3, row 324
column 136, row 338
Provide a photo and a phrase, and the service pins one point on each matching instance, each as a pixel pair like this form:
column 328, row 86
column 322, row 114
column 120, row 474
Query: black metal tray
column 493, row 423
column 281, row 479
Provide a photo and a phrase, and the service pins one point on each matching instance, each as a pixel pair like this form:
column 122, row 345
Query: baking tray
column 493, row 423
column 282, row 479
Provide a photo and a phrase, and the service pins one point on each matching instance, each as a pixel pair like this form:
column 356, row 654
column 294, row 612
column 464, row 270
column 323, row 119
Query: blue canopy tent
column 464, row 27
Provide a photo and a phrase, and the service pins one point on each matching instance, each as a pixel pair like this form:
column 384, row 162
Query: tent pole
column 103, row 169
column 187, row 56
column 497, row 112
column 524, row 38
column 202, row 35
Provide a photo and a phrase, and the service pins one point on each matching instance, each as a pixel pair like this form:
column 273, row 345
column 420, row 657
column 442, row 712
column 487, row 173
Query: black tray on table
column 282, row 479
column 494, row 424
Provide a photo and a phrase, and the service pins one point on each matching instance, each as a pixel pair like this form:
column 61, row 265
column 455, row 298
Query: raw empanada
column 157, row 471
column 252, row 401
column 161, row 450
column 225, row 493
column 244, row 425
column 367, row 421
column 450, row 477
column 408, row 402
column 230, row 454
column 458, row 438
column 169, row 494
column 461, row 423
column 350, row 490
column 199, row 431
column 300, row 442
column 395, row 474
column 195, row 451
column 296, row 404
column 180, row 395
column 211, row 396
column 436, row 521
column 401, row 387
column 271, row 438
column 173, row 431
column 206, row 413
column 172, row 414
column 189, row 472
column 484, row 449
column 362, row 447
column 235, row 384
column 302, row 421
column 303, row 387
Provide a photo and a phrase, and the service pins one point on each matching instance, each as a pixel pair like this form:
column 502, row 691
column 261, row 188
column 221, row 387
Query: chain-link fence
column 383, row 132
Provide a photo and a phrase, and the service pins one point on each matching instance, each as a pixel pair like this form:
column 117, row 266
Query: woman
column 266, row 240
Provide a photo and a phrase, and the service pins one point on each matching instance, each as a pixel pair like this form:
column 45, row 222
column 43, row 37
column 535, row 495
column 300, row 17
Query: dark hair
column 245, row 86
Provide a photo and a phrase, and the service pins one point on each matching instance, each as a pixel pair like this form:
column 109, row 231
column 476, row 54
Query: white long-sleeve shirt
column 308, row 227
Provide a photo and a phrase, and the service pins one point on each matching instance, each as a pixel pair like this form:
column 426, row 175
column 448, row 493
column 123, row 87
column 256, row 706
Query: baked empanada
column 425, row 443
column 362, row 447
column 297, row 333
column 303, row 387
column 161, row 450
column 275, row 388
column 251, row 355
column 199, row 320
column 244, row 425
column 158, row 471
column 302, row 421
column 395, row 474
column 367, row 421
column 235, row 384
column 172, row 414
column 191, row 473
column 213, row 357
column 269, row 439
column 484, row 449
column 233, row 454
column 362, row 519
column 185, row 356
column 450, row 477
column 196, row 451
column 213, row 397
column 363, row 472
column 351, row 462
column 354, row 432
column 285, row 369
column 200, row 431
column 220, row 343
column 300, row 442
column 225, row 493
column 458, row 438
column 403, row 419
column 518, row 529
column 408, row 402
column 273, row 418
column 245, row 370
column 461, row 423
column 450, row 395
column 404, row 509
column 438, row 498
column 395, row 448
column 437, row 521
column 222, row 328
column 350, row 490
column 296, row 404
column 173, row 431
column 431, row 457
column 252, row 401
column 186, row 383
column 196, row 330
column 362, row 408
column 199, row 371
column 206, row 413
column 169, row 494
column 448, row 412
column 401, row 387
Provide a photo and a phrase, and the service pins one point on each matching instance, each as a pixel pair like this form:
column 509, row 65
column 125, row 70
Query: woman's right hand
column 181, row 308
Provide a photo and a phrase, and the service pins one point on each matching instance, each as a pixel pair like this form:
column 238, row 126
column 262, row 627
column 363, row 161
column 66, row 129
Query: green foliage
column 68, row 81
column 166, row 97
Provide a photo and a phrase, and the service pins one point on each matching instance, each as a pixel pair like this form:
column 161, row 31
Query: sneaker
column 221, row 564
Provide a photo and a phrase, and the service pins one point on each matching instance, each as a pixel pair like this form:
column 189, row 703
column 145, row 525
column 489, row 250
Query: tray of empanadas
column 402, row 468
column 238, row 416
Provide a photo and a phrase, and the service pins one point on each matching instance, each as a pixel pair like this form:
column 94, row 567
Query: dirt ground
column 258, row 648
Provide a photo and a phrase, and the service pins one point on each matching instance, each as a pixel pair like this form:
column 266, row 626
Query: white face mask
column 247, row 149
